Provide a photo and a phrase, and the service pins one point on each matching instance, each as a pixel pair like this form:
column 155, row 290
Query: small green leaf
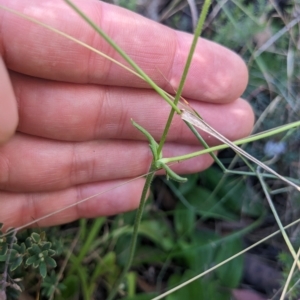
column 28, row 242
column 16, row 263
column 36, row 263
column 43, row 269
column 17, row 247
column 46, row 246
column 30, row 260
column 34, row 249
column 36, row 237
column 13, row 254
column 50, row 261
column 23, row 249
column 51, row 252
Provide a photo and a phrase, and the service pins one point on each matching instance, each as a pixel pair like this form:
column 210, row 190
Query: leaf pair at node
column 157, row 156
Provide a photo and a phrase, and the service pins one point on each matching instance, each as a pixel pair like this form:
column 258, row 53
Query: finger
column 111, row 198
column 216, row 75
column 8, row 106
column 34, row 164
column 86, row 112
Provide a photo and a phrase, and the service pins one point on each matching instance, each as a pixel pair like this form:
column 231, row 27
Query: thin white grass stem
column 290, row 276
column 296, row 285
column 69, row 37
column 201, row 124
column 281, row 228
column 223, row 262
column 74, row 204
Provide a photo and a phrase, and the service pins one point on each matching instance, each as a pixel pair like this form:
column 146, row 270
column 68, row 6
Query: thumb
column 8, row 106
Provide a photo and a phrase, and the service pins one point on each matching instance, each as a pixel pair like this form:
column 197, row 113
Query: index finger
column 217, row 74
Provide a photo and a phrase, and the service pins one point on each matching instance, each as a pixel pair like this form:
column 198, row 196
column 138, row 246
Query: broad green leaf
column 200, row 253
column 230, row 274
column 184, row 219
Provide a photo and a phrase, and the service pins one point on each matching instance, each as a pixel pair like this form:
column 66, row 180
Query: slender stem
column 197, row 33
column 238, row 142
column 244, row 173
column 124, row 55
column 138, row 218
column 284, row 292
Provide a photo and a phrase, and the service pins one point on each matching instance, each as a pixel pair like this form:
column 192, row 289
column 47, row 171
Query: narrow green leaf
column 230, row 274
column 184, row 219
column 170, row 174
column 153, row 145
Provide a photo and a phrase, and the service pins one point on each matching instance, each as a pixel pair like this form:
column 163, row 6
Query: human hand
column 74, row 138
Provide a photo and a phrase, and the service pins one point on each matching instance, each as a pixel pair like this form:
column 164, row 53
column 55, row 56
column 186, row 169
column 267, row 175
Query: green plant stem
column 197, row 33
column 238, row 142
column 161, row 92
column 138, row 218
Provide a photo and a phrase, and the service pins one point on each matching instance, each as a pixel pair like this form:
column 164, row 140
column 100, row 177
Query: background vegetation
column 187, row 229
